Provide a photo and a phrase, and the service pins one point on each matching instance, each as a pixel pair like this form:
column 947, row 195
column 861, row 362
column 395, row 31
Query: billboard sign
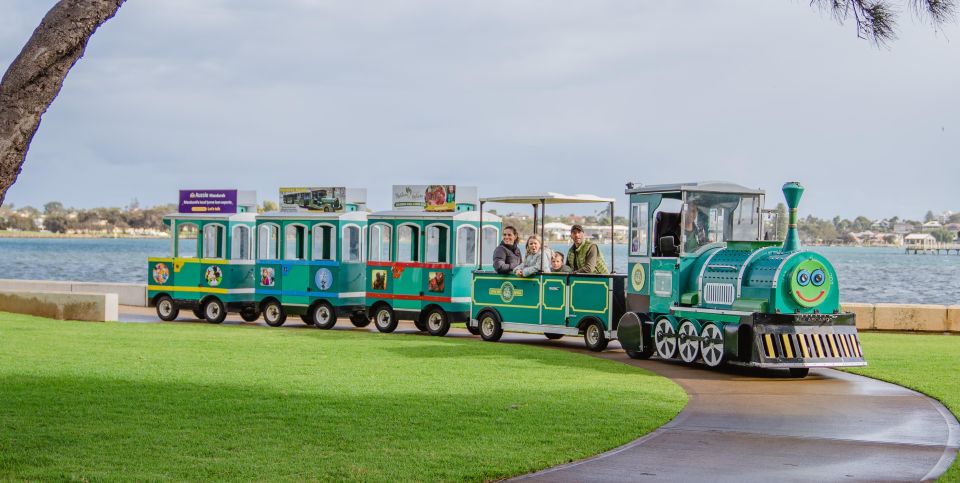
column 330, row 199
column 208, row 201
column 433, row 197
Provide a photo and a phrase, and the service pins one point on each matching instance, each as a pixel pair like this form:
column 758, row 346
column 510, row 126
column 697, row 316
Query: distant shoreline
column 46, row 234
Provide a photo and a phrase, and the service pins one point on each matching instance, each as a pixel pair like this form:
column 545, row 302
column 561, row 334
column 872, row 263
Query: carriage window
column 380, row 243
column 295, row 242
column 638, row 229
column 408, row 243
column 240, row 250
column 436, row 244
column 715, row 217
column 187, row 240
column 323, row 242
column 466, row 245
column 213, row 240
column 351, row 244
column 268, row 242
column 491, row 238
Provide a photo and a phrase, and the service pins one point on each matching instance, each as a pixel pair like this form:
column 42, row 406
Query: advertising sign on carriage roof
column 329, row 199
column 433, row 197
column 208, row 201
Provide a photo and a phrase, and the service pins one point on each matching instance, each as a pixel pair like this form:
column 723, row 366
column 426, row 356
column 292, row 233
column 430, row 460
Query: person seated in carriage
column 584, row 256
column 507, row 257
column 532, row 262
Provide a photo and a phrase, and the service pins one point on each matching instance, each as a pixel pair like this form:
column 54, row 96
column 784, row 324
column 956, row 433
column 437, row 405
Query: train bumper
column 804, row 340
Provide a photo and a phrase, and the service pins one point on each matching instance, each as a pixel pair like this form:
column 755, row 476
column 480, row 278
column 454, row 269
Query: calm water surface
column 866, row 274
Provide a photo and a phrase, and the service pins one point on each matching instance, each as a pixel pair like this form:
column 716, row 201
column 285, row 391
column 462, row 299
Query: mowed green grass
column 190, row 401
column 926, row 363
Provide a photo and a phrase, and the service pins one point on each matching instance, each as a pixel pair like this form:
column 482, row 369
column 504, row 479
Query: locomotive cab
column 705, row 285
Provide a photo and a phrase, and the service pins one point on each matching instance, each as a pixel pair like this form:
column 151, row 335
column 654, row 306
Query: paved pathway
column 751, row 425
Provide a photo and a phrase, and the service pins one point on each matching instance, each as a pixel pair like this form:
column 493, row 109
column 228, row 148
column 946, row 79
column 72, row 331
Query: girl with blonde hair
column 531, row 263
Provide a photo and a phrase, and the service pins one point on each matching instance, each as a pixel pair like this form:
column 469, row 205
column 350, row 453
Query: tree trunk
column 35, row 77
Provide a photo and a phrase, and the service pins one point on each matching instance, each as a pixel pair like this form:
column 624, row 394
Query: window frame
column 378, row 228
column 346, row 246
column 425, row 236
column 643, row 206
column 176, row 239
column 234, row 246
column 306, row 243
column 476, row 246
column 269, row 225
column 419, row 239
column 317, row 229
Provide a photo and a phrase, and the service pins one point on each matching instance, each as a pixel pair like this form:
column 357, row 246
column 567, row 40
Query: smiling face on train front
column 810, row 283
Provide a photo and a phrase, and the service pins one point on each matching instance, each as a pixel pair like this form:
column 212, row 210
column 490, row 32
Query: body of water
column 869, row 275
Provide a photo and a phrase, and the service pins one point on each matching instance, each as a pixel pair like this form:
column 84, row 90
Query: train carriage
column 310, row 258
column 211, row 268
column 705, row 285
column 420, row 259
column 553, row 304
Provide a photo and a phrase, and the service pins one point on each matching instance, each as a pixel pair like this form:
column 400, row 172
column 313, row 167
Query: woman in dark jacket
column 507, row 256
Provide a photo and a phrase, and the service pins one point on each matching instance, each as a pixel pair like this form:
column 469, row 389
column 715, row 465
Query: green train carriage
column 211, row 268
column 420, row 263
column 553, row 304
column 311, row 263
column 704, row 285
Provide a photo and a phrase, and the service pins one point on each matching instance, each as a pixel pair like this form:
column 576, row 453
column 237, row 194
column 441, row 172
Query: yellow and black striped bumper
column 808, row 347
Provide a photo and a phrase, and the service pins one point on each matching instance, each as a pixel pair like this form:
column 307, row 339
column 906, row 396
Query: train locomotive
column 704, row 285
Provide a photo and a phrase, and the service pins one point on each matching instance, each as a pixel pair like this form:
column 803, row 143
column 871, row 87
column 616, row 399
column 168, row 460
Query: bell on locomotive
column 706, row 283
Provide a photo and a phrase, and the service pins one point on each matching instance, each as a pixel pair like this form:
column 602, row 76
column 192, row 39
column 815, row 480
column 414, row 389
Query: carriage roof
column 313, row 215
column 434, row 215
column 212, row 216
column 548, row 198
column 707, row 186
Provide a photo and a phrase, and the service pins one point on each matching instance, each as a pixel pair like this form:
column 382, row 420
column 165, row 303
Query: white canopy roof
column 547, row 199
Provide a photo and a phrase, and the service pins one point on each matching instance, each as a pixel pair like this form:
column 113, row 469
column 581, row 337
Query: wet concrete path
column 754, row 425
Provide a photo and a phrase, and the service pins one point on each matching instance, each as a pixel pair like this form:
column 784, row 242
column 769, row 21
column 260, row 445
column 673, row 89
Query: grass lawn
column 925, row 363
column 189, row 401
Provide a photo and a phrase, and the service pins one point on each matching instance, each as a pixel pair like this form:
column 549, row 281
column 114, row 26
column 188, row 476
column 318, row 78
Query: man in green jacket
column 584, row 257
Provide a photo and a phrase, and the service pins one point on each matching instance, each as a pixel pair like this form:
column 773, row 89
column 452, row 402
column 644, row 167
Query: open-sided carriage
column 421, row 255
column 211, row 268
column 310, row 257
column 553, row 304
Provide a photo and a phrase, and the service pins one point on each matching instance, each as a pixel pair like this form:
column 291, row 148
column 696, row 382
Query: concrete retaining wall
column 128, row 293
column 61, row 305
column 912, row 317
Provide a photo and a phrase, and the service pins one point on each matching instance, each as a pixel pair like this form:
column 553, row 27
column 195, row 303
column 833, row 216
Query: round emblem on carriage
column 323, row 278
column 638, row 277
column 506, row 292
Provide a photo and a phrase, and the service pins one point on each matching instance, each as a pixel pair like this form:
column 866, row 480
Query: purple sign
column 208, row 201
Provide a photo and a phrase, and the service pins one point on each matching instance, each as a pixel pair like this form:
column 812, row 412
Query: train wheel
column 360, row 319
column 250, row 315
column 198, row 313
column 553, row 336
column 214, row 311
column 438, row 323
column 420, row 324
column 167, row 309
column 323, row 315
column 711, row 345
column 799, row 372
column 473, row 330
column 273, row 314
column 306, row 318
column 490, row 328
column 594, row 337
column 687, row 343
column 384, row 318
column 665, row 339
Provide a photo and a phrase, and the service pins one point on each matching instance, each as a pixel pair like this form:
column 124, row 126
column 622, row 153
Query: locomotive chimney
column 792, row 191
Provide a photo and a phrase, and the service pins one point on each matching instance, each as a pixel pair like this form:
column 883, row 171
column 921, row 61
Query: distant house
column 881, row 225
column 922, row 241
column 556, row 230
column 932, row 225
column 902, row 228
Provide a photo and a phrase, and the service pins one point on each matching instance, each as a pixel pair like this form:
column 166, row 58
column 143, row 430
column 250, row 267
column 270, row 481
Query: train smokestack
column 792, row 191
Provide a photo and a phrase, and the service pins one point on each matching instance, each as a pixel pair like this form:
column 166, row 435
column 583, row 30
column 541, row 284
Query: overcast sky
column 511, row 96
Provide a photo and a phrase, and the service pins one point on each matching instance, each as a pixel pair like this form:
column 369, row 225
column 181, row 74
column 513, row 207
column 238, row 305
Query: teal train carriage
column 311, row 263
column 704, row 285
column 210, row 271
column 421, row 256
column 553, row 304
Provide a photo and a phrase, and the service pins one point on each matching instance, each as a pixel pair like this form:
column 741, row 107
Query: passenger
column 557, row 265
column 507, row 256
column 531, row 263
column 694, row 231
column 584, row 256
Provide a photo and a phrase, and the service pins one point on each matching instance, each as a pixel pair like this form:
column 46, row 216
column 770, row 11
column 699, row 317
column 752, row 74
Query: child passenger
column 557, row 265
column 531, row 263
